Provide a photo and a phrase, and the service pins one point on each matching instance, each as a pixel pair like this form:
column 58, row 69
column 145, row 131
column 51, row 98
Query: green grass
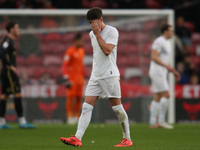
column 46, row 137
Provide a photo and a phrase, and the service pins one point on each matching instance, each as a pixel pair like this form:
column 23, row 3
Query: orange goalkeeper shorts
column 75, row 90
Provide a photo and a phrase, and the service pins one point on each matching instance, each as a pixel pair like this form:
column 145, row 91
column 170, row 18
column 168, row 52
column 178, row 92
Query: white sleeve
column 157, row 45
column 113, row 37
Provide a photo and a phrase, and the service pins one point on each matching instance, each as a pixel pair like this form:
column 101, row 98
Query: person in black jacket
column 9, row 79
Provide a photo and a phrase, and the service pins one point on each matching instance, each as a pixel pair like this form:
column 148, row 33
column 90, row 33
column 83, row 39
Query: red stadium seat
column 149, row 25
column 40, row 36
column 20, row 60
column 68, row 37
column 52, row 37
column 196, row 60
column 190, row 26
column 121, row 71
column 38, row 72
column 98, row 3
column 33, row 60
column 54, row 72
column 88, row 48
column 192, row 49
column 153, row 4
column 86, row 36
column 196, row 37
column 52, row 61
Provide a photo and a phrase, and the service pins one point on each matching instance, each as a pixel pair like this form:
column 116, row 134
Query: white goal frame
column 121, row 12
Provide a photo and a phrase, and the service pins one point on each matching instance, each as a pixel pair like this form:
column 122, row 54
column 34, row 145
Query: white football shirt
column 162, row 45
column 104, row 66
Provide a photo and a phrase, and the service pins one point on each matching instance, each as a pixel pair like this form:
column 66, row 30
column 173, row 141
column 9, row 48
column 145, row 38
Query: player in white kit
column 104, row 80
column 159, row 68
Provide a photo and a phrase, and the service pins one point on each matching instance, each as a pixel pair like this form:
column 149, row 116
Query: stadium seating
column 133, row 51
column 33, row 60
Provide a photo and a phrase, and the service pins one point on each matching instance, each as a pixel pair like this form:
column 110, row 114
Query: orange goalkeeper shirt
column 73, row 64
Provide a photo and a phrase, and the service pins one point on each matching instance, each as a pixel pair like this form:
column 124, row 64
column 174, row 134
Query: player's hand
column 13, row 68
column 177, row 75
column 96, row 27
column 67, row 83
column 170, row 68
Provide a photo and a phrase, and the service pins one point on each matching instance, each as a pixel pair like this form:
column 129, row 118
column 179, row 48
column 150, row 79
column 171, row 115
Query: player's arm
column 3, row 50
column 106, row 48
column 155, row 58
column 65, row 65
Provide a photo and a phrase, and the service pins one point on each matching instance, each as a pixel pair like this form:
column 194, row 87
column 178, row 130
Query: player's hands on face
column 96, row 27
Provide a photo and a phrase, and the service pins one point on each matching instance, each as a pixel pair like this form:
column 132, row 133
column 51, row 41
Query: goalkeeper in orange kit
column 73, row 74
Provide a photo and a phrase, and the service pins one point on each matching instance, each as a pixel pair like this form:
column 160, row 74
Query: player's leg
column 69, row 103
column 19, row 110
column 3, row 101
column 78, row 101
column 83, row 122
column 123, row 119
column 77, row 108
column 86, row 115
column 154, row 109
column 159, row 87
column 92, row 93
column 5, row 91
column 111, row 88
column 163, row 107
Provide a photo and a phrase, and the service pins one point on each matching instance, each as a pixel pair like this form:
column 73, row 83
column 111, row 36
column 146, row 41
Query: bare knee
column 156, row 97
column 165, row 94
column 115, row 101
column 91, row 100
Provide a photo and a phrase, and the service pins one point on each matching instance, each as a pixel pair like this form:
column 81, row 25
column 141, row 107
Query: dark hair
column 164, row 28
column 94, row 13
column 78, row 36
column 10, row 25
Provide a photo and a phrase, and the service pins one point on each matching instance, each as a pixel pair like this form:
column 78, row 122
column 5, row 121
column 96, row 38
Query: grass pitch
column 105, row 136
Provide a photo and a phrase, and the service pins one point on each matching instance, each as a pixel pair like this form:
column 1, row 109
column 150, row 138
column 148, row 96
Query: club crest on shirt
column 5, row 44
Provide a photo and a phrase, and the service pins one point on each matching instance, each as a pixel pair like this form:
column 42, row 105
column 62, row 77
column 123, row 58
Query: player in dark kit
column 9, row 79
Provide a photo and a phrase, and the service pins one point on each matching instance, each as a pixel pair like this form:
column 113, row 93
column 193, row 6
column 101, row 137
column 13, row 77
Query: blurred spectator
column 189, row 66
column 183, row 33
column 48, row 22
column 45, row 79
column 198, row 50
column 29, row 43
column 7, row 3
column 3, row 4
column 48, row 5
column 194, row 79
column 24, row 78
column 181, row 69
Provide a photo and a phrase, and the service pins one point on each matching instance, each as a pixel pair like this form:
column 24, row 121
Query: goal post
column 127, row 21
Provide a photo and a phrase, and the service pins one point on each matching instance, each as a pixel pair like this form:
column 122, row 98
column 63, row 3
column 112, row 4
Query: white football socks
column 84, row 120
column 123, row 119
column 154, row 108
column 22, row 120
column 2, row 121
column 163, row 106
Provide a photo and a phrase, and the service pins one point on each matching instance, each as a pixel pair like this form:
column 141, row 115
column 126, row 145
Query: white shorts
column 109, row 87
column 159, row 83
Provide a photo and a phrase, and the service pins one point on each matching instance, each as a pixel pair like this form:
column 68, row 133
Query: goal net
column 47, row 34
